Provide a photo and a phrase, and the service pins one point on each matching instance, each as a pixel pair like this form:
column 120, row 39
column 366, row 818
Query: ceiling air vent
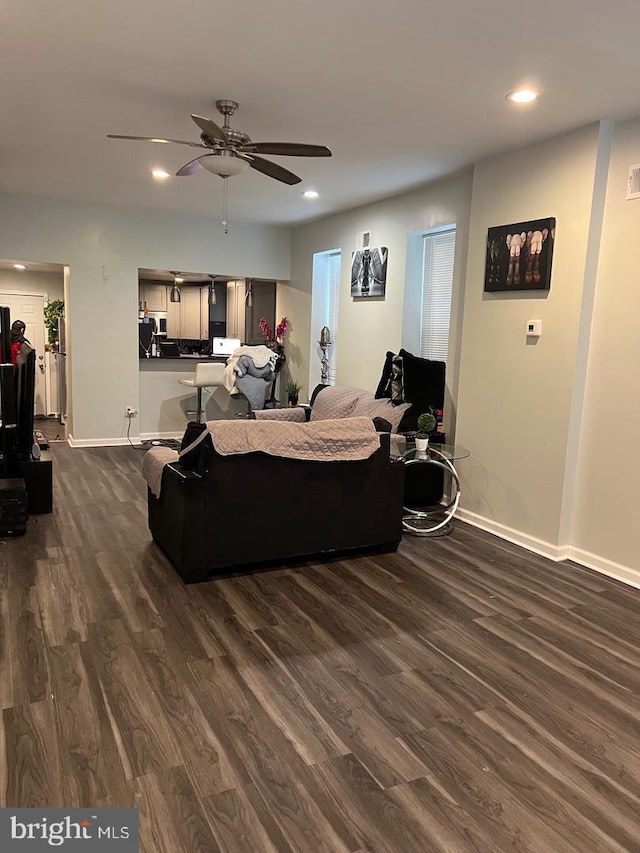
column 633, row 182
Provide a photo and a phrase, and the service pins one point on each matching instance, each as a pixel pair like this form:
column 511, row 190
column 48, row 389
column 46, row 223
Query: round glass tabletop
column 436, row 452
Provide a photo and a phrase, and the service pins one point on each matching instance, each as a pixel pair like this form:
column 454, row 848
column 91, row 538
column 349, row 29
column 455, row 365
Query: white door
column 30, row 309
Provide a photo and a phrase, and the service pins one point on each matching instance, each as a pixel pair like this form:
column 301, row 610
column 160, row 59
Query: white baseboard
column 122, row 442
column 102, row 442
column 606, row 567
column 531, row 543
column 618, row 572
column 149, row 436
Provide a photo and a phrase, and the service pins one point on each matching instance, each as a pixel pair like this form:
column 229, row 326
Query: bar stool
column 207, row 375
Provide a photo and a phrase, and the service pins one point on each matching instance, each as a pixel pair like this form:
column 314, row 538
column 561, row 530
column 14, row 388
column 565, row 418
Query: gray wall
column 50, row 284
column 551, row 427
column 103, row 248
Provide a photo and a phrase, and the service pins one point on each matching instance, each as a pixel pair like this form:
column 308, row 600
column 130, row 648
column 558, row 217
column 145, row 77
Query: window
column 325, row 303
column 437, row 283
column 333, row 292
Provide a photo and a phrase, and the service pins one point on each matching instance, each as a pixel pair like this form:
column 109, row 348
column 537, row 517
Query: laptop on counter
column 224, row 347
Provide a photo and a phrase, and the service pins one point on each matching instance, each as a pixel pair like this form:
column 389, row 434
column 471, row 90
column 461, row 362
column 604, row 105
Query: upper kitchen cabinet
column 154, row 296
column 247, row 302
column 262, row 303
column 235, row 309
column 190, row 313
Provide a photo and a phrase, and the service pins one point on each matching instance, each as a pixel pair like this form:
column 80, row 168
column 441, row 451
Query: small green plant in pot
column 293, row 390
column 426, row 425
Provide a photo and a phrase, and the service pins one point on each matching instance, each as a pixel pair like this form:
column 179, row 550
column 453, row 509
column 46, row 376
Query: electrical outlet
column 131, row 412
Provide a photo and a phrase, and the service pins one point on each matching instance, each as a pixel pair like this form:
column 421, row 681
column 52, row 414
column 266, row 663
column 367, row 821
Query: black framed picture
column 519, row 256
column 369, row 272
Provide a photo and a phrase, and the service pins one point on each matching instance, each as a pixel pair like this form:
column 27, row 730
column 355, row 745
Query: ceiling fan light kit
column 231, row 152
column 225, row 164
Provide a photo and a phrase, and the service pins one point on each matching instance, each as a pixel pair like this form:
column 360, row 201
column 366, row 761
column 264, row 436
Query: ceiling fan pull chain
column 225, row 192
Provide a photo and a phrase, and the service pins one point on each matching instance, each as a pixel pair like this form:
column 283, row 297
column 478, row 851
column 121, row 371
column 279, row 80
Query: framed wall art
column 369, row 272
column 519, row 256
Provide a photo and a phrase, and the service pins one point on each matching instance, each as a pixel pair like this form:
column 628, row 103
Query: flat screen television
column 25, row 400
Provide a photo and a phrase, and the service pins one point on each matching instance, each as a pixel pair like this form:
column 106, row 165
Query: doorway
column 26, row 287
column 30, row 309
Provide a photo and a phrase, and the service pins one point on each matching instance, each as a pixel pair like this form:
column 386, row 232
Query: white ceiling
column 402, row 92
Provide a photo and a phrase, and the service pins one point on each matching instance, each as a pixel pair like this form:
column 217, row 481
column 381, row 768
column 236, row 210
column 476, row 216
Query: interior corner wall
column 514, row 401
column 607, row 495
column 103, row 247
column 370, row 327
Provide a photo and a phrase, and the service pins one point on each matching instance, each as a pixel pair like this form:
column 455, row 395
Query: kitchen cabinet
column 263, row 304
column 235, row 309
column 155, row 296
column 190, row 313
column 204, row 313
column 173, row 319
column 243, row 319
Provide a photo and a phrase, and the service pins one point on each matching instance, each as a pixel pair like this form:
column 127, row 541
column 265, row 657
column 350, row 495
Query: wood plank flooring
column 460, row 695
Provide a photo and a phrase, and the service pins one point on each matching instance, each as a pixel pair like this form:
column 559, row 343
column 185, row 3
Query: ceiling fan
column 231, row 151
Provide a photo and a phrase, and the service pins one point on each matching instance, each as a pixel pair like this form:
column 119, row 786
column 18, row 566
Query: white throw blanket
column 323, row 441
column 344, row 439
column 260, row 355
column 153, row 463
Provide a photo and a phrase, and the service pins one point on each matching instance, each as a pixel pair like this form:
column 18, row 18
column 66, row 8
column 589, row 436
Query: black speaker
column 13, row 507
column 38, row 478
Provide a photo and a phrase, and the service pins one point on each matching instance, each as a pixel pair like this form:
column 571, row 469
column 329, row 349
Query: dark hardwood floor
column 460, row 695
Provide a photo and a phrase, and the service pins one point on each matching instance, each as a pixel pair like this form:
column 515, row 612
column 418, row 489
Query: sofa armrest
column 298, row 415
column 178, row 520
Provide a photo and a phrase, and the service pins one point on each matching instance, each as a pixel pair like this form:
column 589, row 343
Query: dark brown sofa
column 223, row 512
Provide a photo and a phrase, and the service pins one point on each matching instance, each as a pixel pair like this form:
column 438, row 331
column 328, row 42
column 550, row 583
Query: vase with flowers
column 271, row 337
column 275, row 340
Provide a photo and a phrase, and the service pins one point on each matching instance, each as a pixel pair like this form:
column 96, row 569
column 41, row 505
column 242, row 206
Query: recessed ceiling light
column 160, row 174
column 522, row 96
column 310, row 194
column 19, row 267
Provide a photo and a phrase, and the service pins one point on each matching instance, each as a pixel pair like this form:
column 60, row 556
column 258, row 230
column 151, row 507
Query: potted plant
column 293, row 389
column 426, row 424
column 52, row 312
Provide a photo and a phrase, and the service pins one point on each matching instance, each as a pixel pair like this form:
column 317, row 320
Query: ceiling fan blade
column 156, row 139
column 291, row 149
column 192, row 166
column 209, row 127
column 271, row 169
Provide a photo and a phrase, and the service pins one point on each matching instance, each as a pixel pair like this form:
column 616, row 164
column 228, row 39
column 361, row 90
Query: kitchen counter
column 164, row 402
column 189, row 356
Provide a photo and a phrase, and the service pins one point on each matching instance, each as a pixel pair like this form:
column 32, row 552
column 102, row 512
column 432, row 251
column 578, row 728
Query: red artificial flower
column 265, row 328
column 282, row 328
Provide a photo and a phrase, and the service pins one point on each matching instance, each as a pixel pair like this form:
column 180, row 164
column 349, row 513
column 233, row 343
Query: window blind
column 437, row 284
column 335, row 259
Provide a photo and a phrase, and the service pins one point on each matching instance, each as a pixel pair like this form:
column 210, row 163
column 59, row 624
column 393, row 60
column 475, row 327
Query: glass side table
column 438, row 521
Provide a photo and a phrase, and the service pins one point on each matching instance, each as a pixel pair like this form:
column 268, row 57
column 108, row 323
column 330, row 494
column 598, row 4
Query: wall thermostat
column 534, row 328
